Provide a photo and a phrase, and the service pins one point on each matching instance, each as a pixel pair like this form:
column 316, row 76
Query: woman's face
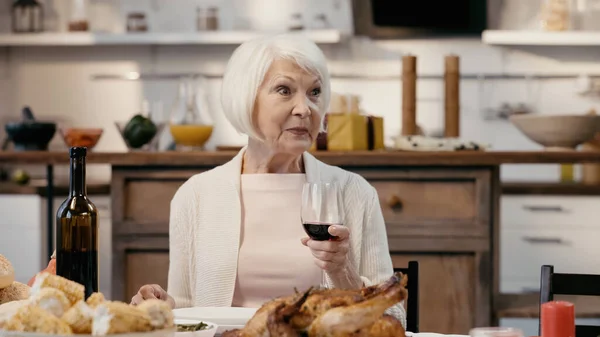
column 286, row 109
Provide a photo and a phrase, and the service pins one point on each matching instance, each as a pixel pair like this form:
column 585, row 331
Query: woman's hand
column 331, row 255
column 150, row 291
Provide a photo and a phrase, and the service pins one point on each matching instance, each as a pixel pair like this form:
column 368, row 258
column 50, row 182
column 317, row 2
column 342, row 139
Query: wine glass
column 321, row 207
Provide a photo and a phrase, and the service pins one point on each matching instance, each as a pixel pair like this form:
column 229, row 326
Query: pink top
column 272, row 260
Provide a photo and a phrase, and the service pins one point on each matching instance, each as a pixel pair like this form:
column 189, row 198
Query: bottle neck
column 77, row 183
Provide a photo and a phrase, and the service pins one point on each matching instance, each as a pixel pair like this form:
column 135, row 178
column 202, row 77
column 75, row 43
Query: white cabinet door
column 22, row 240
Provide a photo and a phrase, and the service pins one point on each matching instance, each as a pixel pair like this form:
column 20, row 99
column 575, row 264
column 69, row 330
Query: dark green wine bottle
column 77, row 229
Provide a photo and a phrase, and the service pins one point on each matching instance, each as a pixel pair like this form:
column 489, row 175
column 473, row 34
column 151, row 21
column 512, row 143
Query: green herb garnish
column 191, row 327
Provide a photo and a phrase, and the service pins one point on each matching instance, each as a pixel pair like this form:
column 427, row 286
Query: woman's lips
column 298, row 131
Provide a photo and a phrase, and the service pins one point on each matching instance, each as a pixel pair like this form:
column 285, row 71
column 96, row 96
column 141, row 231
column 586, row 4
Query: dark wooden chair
column 552, row 283
column 412, row 305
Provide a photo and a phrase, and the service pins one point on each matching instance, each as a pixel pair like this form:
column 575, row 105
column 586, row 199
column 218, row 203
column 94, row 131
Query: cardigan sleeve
column 179, row 253
column 376, row 262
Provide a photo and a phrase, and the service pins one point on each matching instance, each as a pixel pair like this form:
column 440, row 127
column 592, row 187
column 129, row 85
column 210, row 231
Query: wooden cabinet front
column 441, row 217
column 447, row 291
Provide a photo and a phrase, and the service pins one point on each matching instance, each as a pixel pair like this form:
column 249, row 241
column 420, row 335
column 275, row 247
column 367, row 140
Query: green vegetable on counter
column 20, row 177
column 191, row 327
column 139, row 131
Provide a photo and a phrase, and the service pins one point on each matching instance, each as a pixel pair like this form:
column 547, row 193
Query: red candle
column 558, row 319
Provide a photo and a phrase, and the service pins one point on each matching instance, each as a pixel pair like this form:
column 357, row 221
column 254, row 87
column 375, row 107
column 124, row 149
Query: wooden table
column 441, row 209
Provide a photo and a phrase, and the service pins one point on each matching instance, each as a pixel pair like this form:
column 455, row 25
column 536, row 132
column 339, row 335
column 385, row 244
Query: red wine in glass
column 322, row 207
column 318, row 231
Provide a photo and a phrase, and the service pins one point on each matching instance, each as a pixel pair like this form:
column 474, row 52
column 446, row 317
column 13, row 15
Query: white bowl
column 208, row 332
column 557, row 132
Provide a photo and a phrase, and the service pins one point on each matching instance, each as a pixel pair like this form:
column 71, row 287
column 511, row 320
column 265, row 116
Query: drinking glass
column 321, row 207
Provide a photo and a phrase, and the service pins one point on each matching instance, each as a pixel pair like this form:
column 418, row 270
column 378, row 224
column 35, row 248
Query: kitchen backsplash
column 57, row 82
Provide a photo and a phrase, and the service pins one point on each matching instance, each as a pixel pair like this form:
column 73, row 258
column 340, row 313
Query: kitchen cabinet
column 538, row 230
column 442, row 217
column 22, row 239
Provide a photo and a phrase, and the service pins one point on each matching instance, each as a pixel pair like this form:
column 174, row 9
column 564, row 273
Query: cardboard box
column 346, row 132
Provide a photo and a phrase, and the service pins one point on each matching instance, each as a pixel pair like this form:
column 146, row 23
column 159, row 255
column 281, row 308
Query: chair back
column 552, row 283
column 412, row 305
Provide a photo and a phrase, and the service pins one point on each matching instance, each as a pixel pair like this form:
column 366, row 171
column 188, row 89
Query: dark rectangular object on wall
column 401, row 19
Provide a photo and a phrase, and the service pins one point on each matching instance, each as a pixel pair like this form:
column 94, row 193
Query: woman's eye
column 316, row 92
column 283, row 91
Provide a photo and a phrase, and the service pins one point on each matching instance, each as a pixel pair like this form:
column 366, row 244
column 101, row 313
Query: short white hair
column 250, row 62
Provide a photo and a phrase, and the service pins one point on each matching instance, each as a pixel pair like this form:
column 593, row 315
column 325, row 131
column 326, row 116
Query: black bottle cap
column 78, row 152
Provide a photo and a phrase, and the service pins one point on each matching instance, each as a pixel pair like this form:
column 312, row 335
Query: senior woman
column 235, row 235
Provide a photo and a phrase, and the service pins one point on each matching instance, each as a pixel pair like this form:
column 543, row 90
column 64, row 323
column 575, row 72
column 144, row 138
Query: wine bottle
column 77, row 229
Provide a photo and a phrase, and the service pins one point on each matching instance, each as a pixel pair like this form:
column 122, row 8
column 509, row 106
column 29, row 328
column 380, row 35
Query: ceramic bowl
column 87, row 137
column 30, row 136
column 557, row 132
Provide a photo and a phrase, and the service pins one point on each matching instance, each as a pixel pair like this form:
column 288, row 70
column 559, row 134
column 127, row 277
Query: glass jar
column 136, row 22
column 296, row 22
column 27, row 17
column 555, row 15
column 190, row 122
column 78, row 16
column 207, row 19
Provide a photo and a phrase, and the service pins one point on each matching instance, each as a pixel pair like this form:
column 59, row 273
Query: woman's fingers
column 149, row 291
column 329, row 246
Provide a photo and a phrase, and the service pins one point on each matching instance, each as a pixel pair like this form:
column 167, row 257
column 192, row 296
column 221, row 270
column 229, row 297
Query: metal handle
column 395, row 203
column 533, row 239
column 544, row 208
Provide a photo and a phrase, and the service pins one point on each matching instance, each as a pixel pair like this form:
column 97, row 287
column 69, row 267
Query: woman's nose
column 302, row 107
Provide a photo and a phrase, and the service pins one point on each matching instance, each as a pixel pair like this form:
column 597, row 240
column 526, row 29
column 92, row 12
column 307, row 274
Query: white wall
column 56, row 82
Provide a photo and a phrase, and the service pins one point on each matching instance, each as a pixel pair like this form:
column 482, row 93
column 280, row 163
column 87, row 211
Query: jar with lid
column 78, row 16
column 27, row 17
column 136, row 22
column 555, row 15
column 207, row 18
column 296, row 22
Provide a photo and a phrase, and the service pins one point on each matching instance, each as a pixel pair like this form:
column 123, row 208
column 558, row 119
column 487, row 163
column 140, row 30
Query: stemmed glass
column 321, row 207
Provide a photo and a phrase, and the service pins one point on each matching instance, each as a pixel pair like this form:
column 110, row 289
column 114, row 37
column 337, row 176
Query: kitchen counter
column 41, row 188
column 341, row 158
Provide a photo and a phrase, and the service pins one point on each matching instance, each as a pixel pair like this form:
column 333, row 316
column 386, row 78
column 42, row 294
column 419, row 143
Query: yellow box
column 375, row 133
column 346, row 132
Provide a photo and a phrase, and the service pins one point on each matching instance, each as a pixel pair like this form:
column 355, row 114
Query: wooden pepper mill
column 409, row 95
column 452, row 97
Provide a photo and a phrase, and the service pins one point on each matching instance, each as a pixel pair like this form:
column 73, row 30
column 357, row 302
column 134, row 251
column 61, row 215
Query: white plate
column 208, row 332
column 157, row 333
column 225, row 317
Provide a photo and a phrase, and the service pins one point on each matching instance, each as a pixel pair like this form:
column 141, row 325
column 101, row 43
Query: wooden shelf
column 549, row 188
column 341, row 158
column 541, row 38
column 328, row 36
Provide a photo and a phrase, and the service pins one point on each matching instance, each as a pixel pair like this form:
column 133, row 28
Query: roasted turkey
column 330, row 313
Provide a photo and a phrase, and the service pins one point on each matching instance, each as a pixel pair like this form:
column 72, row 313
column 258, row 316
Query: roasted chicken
column 330, row 313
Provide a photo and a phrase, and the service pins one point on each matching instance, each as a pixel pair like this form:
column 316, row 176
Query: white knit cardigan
column 204, row 233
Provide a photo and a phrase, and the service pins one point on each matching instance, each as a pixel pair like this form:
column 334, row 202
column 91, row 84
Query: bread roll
column 73, row 290
column 15, row 292
column 7, row 310
column 79, row 317
column 52, row 300
column 7, row 273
